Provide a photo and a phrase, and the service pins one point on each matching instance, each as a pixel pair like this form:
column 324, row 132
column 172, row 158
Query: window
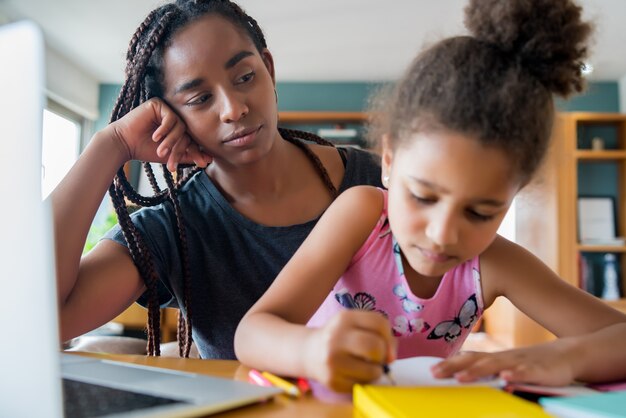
column 507, row 227
column 61, row 142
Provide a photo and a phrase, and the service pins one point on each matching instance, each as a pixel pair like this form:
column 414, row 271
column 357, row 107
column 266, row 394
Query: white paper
column 415, row 371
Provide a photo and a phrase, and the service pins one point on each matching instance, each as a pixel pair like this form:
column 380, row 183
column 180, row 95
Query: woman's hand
column 153, row 132
column 549, row 364
column 351, row 348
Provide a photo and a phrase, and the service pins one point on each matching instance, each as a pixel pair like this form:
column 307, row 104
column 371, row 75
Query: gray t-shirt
column 233, row 260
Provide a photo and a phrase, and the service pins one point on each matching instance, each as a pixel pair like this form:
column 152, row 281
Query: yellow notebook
column 372, row 401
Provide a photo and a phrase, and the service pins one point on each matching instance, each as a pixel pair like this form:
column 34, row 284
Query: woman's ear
column 268, row 60
column 387, row 159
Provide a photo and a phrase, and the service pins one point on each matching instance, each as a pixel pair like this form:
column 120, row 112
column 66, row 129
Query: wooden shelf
column 321, row 117
column 601, row 248
column 603, row 118
column 600, row 155
column 619, row 304
column 548, row 211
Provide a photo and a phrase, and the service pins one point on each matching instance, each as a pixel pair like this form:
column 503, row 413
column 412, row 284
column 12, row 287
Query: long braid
column 143, row 81
column 184, row 332
column 128, row 99
column 292, row 136
column 144, row 265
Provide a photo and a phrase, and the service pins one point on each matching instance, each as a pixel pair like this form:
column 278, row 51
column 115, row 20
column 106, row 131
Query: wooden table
column 308, row 406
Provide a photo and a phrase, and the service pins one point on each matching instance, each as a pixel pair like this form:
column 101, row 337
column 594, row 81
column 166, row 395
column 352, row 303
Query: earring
column 385, row 181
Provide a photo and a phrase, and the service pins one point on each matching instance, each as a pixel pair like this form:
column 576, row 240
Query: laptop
column 36, row 379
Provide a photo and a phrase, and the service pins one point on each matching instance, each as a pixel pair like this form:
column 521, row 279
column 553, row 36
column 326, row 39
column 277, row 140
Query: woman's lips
column 242, row 138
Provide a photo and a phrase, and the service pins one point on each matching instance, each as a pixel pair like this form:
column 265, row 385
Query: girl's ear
column 268, row 60
column 387, row 158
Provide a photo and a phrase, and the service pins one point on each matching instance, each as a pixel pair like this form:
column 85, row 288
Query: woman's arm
column 95, row 288
column 352, row 346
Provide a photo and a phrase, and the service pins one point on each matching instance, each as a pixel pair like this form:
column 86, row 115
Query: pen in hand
column 346, row 300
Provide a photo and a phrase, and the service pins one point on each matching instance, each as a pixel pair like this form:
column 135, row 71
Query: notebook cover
column 602, row 405
column 469, row 402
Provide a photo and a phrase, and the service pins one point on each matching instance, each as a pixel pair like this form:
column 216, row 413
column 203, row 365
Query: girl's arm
column 578, row 318
column 511, row 271
column 352, row 346
column 595, row 357
column 94, row 289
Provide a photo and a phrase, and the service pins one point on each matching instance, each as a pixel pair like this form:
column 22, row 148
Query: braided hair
column 144, row 80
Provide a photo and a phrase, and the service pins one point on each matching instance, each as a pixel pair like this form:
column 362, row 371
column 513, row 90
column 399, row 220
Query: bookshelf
column 297, row 117
column 547, row 212
column 600, row 173
column 349, row 123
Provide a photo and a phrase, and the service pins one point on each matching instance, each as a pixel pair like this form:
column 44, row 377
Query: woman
column 199, row 89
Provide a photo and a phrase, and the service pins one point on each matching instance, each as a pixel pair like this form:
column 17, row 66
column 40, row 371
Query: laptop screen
column 29, row 377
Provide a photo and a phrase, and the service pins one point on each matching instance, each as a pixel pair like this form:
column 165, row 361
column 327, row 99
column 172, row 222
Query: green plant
column 98, row 230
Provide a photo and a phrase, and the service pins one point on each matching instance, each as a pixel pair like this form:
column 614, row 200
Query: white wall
column 70, row 86
column 66, row 83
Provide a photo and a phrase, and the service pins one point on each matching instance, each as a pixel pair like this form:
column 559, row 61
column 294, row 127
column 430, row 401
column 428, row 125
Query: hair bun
column 547, row 37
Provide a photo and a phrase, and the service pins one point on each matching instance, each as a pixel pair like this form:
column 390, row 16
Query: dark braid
column 144, row 80
column 294, row 137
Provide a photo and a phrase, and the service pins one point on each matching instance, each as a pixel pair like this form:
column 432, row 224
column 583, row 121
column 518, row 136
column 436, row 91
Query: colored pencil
column 285, row 385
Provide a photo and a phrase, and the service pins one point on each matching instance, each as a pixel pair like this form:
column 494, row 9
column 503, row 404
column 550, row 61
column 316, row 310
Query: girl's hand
column 351, row 348
column 153, row 132
column 549, row 364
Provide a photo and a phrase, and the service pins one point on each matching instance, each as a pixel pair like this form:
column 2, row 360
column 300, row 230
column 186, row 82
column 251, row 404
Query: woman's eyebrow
column 236, row 58
column 229, row 64
column 188, row 85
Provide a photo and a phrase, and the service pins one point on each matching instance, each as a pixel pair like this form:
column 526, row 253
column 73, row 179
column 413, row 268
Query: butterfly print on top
column 450, row 330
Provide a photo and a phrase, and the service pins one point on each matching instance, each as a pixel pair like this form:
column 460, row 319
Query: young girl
column 199, row 88
column 408, row 271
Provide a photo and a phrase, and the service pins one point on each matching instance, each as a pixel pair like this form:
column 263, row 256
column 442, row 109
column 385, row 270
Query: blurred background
column 329, row 56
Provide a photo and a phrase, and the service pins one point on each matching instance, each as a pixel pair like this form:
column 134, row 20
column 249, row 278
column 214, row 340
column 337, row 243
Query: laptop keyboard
column 89, row 400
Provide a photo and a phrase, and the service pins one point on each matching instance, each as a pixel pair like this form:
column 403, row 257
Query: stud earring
column 385, row 181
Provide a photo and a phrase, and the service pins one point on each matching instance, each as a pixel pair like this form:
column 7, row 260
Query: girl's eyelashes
column 423, row 200
column 472, row 214
column 479, row 217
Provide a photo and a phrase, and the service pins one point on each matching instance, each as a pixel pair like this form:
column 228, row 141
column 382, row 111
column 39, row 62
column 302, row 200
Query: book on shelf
column 344, row 133
column 586, row 277
column 342, row 136
column 617, row 241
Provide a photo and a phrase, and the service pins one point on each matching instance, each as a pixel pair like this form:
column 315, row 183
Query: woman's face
column 223, row 88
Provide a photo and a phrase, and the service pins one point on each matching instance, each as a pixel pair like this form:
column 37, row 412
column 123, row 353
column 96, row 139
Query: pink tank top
column 375, row 281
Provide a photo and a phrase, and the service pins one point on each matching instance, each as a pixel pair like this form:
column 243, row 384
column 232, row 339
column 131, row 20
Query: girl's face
column 448, row 195
column 223, row 88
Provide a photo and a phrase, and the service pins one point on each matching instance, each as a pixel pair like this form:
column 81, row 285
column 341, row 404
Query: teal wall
column 343, row 96
column 600, row 96
column 106, row 101
column 353, row 96
column 338, row 96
